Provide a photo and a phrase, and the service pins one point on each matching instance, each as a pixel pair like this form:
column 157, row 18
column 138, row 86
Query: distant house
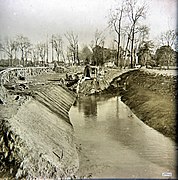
column 109, row 64
column 51, row 65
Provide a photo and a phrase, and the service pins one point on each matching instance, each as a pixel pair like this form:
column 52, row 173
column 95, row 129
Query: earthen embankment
column 36, row 134
column 152, row 97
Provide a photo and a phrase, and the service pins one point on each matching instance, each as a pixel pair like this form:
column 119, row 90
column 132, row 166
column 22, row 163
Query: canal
column 114, row 143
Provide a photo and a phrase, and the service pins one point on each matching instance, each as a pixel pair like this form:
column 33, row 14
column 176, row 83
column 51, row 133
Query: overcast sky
column 37, row 18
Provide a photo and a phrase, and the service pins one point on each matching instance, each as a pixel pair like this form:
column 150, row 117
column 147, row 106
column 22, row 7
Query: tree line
column 20, row 51
column 131, row 44
column 132, row 37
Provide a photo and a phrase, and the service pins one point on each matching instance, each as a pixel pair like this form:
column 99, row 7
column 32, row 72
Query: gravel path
column 163, row 72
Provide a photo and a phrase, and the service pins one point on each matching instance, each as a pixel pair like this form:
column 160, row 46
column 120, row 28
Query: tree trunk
column 74, row 58
column 126, row 48
column 15, row 56
column 118, row 44
column 47, row 52
column 117, row 57
column 52, row 53
column 26, row 60
column 11, row 59
column 78, row 56
column 23, row 61
column 132, row 49
column 58, row 57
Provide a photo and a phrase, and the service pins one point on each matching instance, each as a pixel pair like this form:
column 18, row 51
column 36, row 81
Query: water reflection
column 118, row 130
column 89, row 107
column 117, row 107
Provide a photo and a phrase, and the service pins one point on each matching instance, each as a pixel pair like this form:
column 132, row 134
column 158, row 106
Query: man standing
column 87, row 71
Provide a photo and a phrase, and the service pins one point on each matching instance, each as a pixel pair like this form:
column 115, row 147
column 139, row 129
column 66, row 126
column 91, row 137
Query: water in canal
column 113, row 142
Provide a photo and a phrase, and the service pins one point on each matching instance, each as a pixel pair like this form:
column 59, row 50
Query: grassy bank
column 152, row 98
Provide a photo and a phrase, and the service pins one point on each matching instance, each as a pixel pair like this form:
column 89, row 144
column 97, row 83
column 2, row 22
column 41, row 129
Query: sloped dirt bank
column 152, row 98
column 36, row 142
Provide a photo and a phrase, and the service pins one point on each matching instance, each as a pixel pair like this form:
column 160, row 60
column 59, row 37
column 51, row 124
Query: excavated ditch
column 36, row 137
column 113, row 142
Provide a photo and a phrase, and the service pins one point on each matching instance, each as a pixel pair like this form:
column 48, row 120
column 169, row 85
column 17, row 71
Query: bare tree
column 69, row 56
column 115, row 21
column 97, row 45
column 58, row 46
column 73, row 46
column 98, row 39
column 143, row 33
column 141, row 36
column 15, row 49
column 41, row 47
column 168, row 38
column 47, row 50
column 127, row 36
column 52, row 48
column 27, row 53
column 35, row 55
column 24, row 45
column 135, row 13
column 9, row 47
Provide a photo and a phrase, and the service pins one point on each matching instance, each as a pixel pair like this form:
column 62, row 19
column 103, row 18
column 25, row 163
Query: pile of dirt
column 152, row 97
column 100, row 84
